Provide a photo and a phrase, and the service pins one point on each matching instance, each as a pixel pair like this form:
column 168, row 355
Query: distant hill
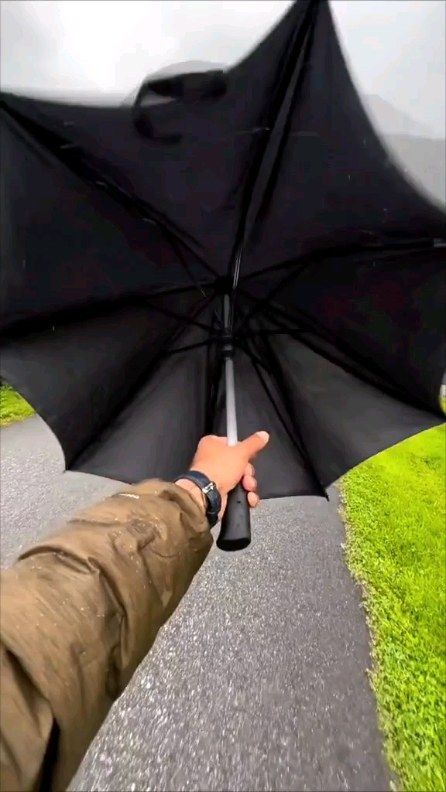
column 391, row 121
column 421, row 157
column 423, row 161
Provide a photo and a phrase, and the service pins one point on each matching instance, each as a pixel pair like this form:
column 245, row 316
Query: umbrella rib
column 180, row 317
column 299, row 443
column 285, row 331
column 264, row 301
column 297, row 270
column 188, row 347
column 88, row 170
column 168, row 338
column 184, row 321
column 257, row 366
column 162, row 292
column 375, row 379
column 183, row 262
column 344, row 249
column 373, row 376
column 276, row 120
column 214, row 371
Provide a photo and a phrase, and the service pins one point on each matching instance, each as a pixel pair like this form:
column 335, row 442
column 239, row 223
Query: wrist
column 194, row 490
column 204, row 490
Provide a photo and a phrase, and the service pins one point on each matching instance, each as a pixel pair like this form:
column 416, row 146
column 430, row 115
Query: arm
column 81, row 609
column 79, row 612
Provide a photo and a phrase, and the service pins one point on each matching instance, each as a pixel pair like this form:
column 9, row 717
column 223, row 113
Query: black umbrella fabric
column 124, row 227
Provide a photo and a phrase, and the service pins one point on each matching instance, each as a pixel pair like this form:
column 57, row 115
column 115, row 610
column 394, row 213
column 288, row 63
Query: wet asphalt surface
column 257, row 682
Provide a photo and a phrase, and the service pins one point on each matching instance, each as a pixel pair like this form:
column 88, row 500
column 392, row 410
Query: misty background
column 101, row 50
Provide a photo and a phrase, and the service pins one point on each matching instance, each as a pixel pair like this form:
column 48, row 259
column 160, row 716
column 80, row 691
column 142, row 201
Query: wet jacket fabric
column 79, row 611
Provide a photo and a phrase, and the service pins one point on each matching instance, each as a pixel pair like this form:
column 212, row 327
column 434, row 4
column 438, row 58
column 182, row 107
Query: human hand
column 227, row 465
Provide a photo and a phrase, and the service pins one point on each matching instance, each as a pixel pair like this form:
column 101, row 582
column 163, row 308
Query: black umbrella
column 246, row 221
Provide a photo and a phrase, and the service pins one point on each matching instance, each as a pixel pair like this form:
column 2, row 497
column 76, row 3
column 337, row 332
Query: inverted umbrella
column 243, row 225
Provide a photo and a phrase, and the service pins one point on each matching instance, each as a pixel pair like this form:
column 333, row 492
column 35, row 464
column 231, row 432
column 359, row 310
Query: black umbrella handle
column 235, row 531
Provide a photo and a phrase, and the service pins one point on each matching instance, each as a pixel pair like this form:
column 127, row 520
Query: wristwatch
column 209, row 489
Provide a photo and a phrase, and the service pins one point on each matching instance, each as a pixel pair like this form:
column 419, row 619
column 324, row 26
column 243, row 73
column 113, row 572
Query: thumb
column 253, row 444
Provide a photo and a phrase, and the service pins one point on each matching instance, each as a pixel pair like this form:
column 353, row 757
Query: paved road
column 258, row 681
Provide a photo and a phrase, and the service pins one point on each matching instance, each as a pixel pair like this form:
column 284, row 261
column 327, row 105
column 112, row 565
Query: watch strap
column 209, row 490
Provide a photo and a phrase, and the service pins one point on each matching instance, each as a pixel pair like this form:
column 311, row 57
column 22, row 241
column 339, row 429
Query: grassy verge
column 12, row 406
column 395, row 510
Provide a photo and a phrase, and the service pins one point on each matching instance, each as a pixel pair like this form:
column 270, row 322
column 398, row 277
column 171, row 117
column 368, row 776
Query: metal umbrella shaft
column 235, row 532
column 228, row 352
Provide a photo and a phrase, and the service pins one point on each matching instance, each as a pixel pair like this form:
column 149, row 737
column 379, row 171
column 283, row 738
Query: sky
column 105, row 48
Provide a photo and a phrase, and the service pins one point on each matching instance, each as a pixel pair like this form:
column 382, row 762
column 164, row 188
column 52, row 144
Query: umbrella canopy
column 123, row 227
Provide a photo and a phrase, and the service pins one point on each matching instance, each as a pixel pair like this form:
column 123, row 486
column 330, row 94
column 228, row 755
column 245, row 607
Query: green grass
column 395, row 510
column 12, row 406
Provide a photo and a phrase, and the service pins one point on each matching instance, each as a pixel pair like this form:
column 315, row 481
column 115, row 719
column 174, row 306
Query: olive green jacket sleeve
column 79, row 611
